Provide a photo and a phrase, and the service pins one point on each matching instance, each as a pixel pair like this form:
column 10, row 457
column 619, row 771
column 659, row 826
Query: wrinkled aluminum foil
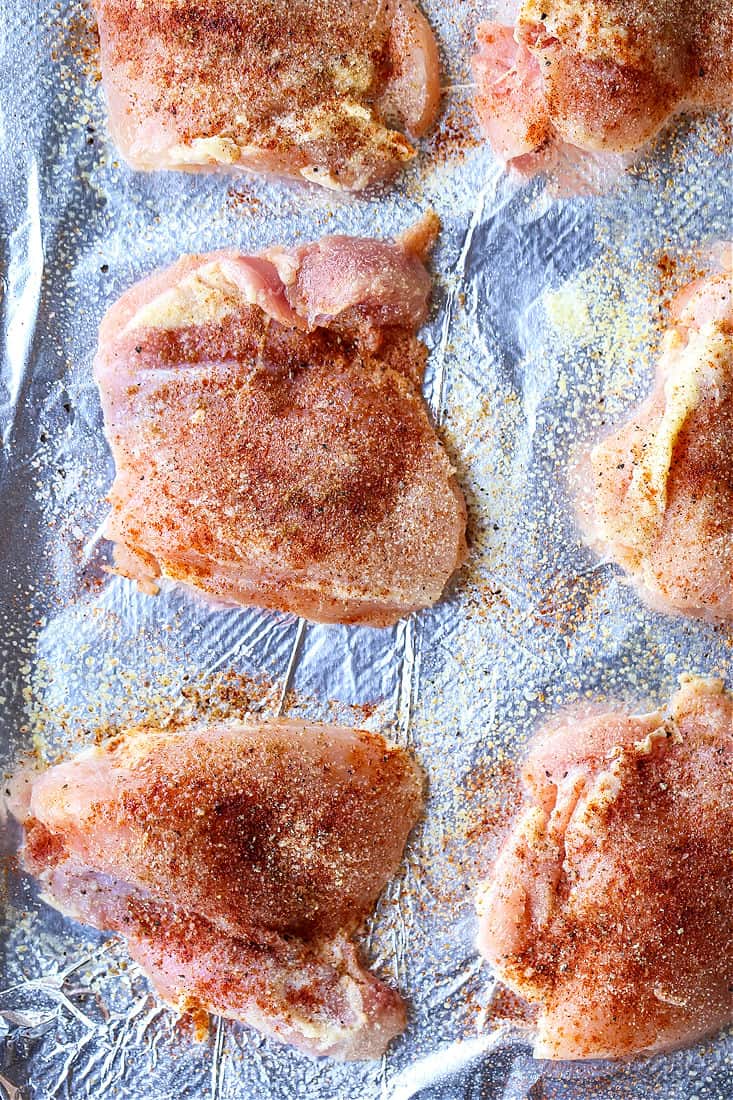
column 548, row 314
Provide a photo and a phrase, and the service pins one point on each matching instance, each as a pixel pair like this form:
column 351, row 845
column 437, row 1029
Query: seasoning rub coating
column 237, row 861
column 663, row 484
column 610, row 905
column 271, row 442
column 319, row 91
column 601, row 75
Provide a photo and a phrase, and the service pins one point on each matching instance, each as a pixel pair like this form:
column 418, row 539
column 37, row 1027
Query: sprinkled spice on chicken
column 271, row 442
column 317, row 91
column 610, row 905
column 237, row 861
column 662, row 502
column 604, row 75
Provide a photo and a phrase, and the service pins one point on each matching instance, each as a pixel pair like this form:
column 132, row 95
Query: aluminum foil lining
column 548, row 313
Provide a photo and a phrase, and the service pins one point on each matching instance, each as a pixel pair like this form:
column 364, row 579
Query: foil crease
column 544, row 330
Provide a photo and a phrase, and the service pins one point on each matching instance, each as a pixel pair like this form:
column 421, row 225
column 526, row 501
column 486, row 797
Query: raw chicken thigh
column 271, row 441
column 320, row 91
column 601, row 75
column 610, row 905
column 236, row 861
column 663, row 501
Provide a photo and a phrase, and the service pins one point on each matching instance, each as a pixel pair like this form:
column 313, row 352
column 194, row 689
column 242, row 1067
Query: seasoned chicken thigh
column 663, row 496
column 236, row 861
column 603, row 75
column 321, row 91
column 271, row 441
column 610, row 905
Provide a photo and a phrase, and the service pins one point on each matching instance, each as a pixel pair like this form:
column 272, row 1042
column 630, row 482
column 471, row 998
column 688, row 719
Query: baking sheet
column 545, row 326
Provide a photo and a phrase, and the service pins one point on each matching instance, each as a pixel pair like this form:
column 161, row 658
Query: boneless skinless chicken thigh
column 320, row 91
column 236, row 861
column 600, row 75
column 271, row 442
column 662, row 504
column 610, row 905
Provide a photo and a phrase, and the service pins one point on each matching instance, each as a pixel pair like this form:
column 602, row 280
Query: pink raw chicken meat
column 663, row 484
column 610, row 905
column 600, row 75
column 271, row 442
column 237, row 861
column 320, row 91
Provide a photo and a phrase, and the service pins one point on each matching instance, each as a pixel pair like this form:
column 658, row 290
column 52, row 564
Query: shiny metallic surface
column 545, row 325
